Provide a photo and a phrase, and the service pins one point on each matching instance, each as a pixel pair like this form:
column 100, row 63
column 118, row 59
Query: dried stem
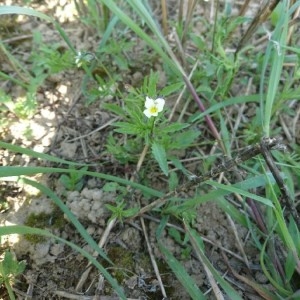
column 243, row 155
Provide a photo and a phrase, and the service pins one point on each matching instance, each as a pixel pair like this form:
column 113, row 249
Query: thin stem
column 208, row 119
column 9, row 290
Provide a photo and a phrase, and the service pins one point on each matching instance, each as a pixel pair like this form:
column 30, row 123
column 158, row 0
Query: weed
column 9, row 269
column 73, row 181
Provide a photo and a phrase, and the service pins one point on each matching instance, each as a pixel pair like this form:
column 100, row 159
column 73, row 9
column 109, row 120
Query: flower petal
column 149, row 102
column 160, row 103
column 153, row 107
column 148, row 113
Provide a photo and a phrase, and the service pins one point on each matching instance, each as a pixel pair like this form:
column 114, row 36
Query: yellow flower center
column 153, row 110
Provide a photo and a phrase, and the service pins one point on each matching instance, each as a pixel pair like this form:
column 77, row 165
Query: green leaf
column 130, row 212
column 127, row 128
column 197, row 243
column 14, row 172
column 153, row 43
column 177, row 163
column 66, row 181
column 4, row 10
column 218, row 196
column 8, row 10
column 111, row 187
column 185, row 139
column 10, row 266
column 21, row 229
column 160, row 155
column 174, row 127
column 175, row 234
column 116, row 109
column 173, row 181
column 289, row 266
column 181, row 274
column 151, row 83
column 273, row 66
column 33, row 154
column 240, row 191
column 171, row 88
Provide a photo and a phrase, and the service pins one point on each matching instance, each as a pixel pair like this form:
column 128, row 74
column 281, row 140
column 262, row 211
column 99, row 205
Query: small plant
column 73, row 181
column 84, row 58
column 9, row 269
column 186, row 248
column 144, row 120
column 23, row 107
column 49, row 59
column 119, row 211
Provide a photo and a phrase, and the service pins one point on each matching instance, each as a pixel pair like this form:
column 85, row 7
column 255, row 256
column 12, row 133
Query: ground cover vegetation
column 149, row 149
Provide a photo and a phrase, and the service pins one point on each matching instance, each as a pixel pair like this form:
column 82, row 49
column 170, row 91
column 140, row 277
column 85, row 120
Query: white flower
column 84, row 58
column 78, row 59
column 153, row 107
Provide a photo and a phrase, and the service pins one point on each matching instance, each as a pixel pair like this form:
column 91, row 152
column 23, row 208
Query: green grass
column 213, row 88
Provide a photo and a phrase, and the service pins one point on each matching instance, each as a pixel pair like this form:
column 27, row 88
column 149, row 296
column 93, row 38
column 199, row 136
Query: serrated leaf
column 171, row 88
column 175, row 127
column 173, row 181
column 126, row 128
column 152, row 82
column 175, row 234
column 10, row 266
column 110, row 187
column 130, row 212
column 116, row 109
column 177, row 163
column 160, row 155
column 185, row 139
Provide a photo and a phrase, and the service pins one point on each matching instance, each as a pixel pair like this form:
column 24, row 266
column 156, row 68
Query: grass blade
column 198, row 246
column 181, row 274
column 18, row 229
column 8, row 10
column 28, row 171
column 275, row 55
column 34, row 154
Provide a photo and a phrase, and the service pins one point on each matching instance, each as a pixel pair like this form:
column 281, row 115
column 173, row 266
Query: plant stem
column 208, row 119
column 9, row 290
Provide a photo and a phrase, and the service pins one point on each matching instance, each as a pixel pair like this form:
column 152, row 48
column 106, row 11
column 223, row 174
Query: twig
column 95, row 130
column 238, row 240
column 257, row 287
column 260, row 18
column 214, row 285
column 286, row 198
column 68, row 295
column 243, row 155
column 182, row 92
column 208, row 119
column 107, row 231
column 164, row 11
column 153, row 261
column 244, row 8
column 89, row 265
column 205, row 239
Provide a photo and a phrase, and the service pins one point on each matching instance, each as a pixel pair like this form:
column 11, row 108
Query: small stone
column 97, row 195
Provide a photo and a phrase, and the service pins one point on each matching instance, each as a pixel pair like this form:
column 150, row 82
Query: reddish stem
column 208, row 119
